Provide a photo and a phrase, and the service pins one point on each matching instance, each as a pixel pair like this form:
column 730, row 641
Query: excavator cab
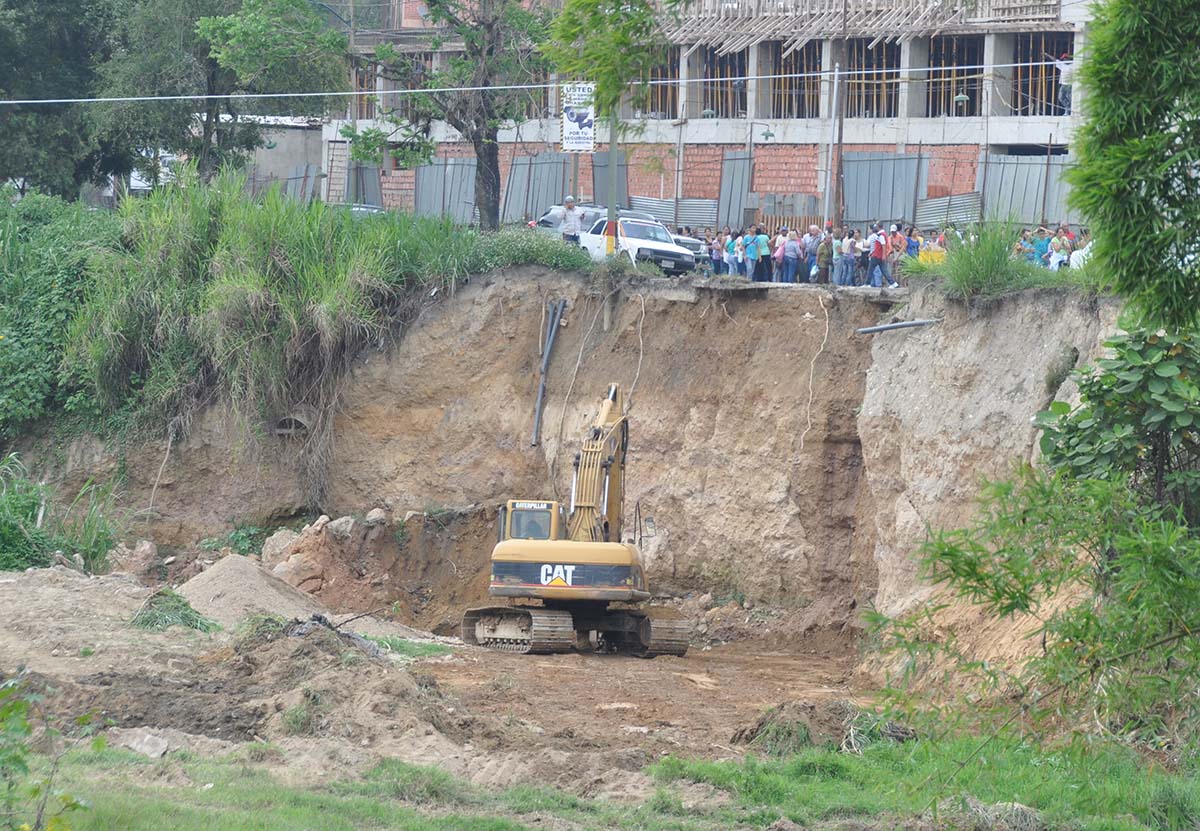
column 530, row 520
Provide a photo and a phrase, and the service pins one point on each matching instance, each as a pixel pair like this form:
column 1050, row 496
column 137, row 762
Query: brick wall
column 778, row 168
column 952, row 168
column 786, row 168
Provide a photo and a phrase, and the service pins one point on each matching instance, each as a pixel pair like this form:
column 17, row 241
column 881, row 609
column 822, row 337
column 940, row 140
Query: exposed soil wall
column 949, row 405
column 718, row 416
column 760, row 485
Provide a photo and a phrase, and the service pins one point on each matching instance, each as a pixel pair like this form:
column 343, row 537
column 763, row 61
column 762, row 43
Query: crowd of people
column 845, row 257
column 858, row 257
column 1060, row 248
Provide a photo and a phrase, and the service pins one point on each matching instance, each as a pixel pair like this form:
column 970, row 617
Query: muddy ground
column 320, row 701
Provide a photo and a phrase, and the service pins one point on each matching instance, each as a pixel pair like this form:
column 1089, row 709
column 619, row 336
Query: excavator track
column 662, row 636
column 521, row 629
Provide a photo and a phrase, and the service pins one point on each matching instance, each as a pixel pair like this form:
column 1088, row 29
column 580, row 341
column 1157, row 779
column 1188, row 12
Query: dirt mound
column 270, row 684
column 428, row 565
column 236, row 588
column 795, row 724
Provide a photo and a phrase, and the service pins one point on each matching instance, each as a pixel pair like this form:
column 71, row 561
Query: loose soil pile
column 587, row 723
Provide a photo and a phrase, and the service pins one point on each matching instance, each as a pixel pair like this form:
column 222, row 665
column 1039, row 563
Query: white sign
column 578, row 118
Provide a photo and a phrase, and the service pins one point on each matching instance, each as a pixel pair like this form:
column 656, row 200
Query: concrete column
column 998, row 93
column 829, row 53
column 691, row 70
column 553, row 99
column 914, row 79
column 754, row 86
column 1077, row 97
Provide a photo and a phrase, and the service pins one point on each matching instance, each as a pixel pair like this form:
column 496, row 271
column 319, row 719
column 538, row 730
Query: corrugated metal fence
column 534, row 184
column 446, row 187
column 698, row 214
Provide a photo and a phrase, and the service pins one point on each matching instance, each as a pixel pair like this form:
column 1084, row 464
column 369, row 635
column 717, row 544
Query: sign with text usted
column 578, row 118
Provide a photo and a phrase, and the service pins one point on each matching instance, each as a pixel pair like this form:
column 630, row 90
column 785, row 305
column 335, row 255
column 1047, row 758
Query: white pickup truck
column 642, row 240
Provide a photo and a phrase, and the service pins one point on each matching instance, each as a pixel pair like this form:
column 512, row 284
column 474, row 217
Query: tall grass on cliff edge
column 264, row 302
column 983, row 265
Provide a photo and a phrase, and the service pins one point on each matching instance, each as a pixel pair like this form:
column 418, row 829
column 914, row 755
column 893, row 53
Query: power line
column 890, row 75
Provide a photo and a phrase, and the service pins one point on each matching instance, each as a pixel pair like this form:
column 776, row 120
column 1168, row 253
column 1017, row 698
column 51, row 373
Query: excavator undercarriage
column 544, row 630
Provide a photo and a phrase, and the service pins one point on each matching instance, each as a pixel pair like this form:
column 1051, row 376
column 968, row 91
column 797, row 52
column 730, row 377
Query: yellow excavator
column 570, row 579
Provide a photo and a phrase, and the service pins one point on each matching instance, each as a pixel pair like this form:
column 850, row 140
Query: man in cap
column 572, row 224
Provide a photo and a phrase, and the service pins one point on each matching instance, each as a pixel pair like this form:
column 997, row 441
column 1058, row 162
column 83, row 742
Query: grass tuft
column 405, row 648
column 984, row 265
column 165, row 609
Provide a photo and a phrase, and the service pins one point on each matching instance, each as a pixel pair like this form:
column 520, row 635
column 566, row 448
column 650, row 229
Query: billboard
column 578, row 118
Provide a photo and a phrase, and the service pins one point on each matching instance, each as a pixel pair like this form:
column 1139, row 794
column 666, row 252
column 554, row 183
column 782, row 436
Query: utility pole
column 838, row 195
column 352, row 170
column 614, row 124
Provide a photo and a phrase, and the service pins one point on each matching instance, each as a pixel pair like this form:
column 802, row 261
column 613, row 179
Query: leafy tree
column 209, row 47
column 499, row 49
column 614, row 44
column 611, row 43
column 1138, row 153
column 1140, row 418
column 49, row 49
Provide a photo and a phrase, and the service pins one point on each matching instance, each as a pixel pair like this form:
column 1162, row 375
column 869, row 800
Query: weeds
column 246, row 540
column 302, row 718
column 165, row 609
column 409, row 649
column 984, row 265
column 33, row 527
column 393, row 779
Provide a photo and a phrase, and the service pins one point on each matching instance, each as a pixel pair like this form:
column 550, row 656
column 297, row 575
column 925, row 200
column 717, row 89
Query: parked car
column 696, row 246
column 642, row 240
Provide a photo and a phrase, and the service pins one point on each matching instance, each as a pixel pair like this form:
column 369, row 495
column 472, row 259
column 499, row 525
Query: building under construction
column 788, row 111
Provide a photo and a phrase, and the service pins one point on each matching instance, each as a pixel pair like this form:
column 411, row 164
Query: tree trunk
column 487, row 179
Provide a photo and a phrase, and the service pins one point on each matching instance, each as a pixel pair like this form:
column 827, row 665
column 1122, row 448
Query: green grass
column 1097, row 788
column 1093, row 787
column 165, row 609
column 984, row 266
column 410, row 649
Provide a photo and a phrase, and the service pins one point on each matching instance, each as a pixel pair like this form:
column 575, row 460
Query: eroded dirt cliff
column 761, row 485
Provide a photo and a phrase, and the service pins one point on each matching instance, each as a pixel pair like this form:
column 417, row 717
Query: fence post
column 1046, row 178
column 917, row 183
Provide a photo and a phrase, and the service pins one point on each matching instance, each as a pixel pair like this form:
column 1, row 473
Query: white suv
column 642, row 240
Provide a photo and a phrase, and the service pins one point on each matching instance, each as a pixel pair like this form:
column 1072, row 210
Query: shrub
column 983, row 265
column 1137, row 160
column 244, row 539
column 46, row 246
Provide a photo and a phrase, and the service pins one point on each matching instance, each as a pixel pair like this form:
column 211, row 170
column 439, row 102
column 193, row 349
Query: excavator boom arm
column 598, row 488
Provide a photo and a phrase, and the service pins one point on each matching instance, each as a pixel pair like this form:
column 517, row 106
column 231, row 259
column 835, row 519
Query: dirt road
column 688, row 705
